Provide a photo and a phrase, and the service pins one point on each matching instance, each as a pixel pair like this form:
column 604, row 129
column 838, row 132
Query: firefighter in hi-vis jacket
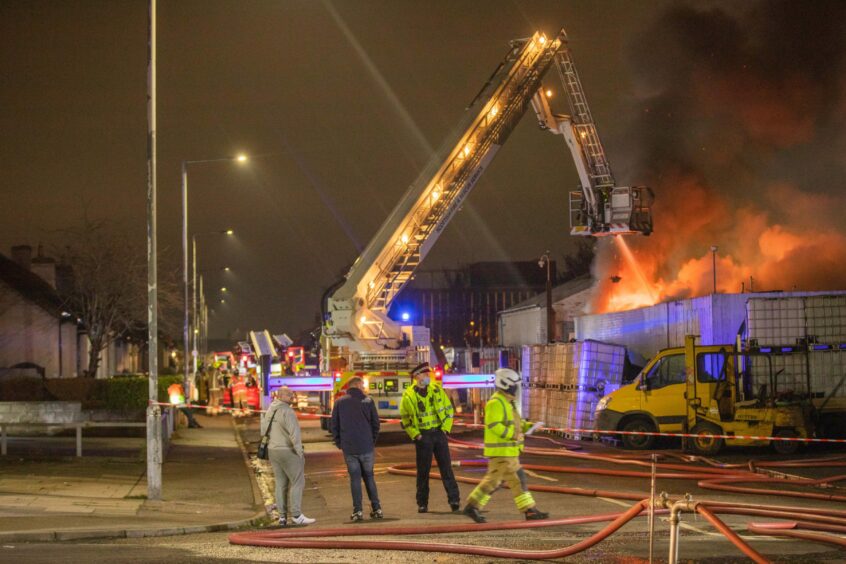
column 504, row 432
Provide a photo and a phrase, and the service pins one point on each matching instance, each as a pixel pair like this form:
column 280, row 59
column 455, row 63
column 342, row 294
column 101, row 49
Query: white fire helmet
column 507, row 380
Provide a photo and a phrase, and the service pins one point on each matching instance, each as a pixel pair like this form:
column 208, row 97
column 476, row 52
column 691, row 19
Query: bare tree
column 102, row 280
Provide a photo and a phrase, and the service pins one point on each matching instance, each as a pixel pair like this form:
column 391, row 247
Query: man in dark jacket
column 355, row 426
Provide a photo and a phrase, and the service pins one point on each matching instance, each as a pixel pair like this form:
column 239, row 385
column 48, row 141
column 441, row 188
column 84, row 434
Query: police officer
column 426, row 414
column 504, row 437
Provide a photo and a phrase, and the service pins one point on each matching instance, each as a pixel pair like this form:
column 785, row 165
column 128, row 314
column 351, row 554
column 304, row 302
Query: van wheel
column 638, row 442
column 705, row 442
column 786, row 447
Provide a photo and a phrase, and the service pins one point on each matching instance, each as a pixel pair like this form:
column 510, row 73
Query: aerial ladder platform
column 357, row 332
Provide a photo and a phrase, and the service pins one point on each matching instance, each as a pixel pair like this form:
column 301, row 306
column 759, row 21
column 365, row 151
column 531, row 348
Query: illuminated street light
column 229, row 232
column 223, row 289
column 240, row 158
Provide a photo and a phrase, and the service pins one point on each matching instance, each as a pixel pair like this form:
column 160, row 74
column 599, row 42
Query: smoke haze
column 738, row 126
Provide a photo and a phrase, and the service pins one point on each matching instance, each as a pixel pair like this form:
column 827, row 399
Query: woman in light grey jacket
column 285, row 451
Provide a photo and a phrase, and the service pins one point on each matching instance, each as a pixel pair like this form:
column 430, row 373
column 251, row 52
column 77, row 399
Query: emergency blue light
column 405, row 316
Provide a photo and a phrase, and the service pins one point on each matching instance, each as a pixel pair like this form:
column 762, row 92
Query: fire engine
column 358, row 338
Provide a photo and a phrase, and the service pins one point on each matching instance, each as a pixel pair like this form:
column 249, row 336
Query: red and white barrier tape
column 551, row 429
column 694, row 435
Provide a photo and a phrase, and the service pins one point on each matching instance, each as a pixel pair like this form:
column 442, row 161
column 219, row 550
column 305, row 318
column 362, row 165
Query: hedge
column 118, row 394
column 23, row 389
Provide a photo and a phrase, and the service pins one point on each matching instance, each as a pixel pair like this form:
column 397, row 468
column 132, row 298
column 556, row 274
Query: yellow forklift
column 710, row 391
column 736, row 393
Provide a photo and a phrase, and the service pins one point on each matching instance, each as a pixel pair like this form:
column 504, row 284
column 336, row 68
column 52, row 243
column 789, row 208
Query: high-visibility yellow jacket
column 419, row 413
column 502, row 437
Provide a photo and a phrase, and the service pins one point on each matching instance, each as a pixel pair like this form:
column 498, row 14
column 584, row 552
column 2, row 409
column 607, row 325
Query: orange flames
column 797, row 245
column 743, row 143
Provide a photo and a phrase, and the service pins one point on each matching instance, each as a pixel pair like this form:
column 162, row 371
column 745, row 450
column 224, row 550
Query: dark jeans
column 190, row 416
column 361, row 466
column 434, row 442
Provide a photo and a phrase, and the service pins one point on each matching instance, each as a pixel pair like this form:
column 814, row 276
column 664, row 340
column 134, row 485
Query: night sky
column 340, row 104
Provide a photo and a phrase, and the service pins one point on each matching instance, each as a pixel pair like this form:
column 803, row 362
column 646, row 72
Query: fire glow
column 756, row 253
column 647, row 295
column 743, row 147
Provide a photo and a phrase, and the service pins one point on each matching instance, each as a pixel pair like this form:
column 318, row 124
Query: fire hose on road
column 715, row 475
column 296, row 538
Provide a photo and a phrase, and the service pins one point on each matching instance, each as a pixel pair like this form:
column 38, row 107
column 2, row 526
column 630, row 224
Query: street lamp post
column 186, row 328
column 714, row 249
column 550, row 314
column 194, row 313
column 202, row 316
column 154, row 425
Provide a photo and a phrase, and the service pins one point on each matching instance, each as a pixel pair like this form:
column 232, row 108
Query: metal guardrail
column 168, row 421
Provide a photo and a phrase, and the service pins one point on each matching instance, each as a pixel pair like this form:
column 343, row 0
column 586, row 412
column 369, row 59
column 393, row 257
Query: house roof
column 559, row 293
column 31, row 286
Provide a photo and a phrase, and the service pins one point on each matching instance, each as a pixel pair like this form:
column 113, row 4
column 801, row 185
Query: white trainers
column 301, row 519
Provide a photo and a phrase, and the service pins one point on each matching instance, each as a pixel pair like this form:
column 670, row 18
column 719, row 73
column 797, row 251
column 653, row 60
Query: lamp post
column 154, row 424
column 714, row 249
column 203, row 314
column 550, row 315
column 194, row 313
column 185, row 335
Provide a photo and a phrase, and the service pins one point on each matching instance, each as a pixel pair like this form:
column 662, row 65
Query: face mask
column 512, row 390
column 423, row 382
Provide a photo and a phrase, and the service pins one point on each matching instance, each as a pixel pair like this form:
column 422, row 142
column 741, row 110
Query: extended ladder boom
column 357, row 324
column 600, row 207
column 359, row 307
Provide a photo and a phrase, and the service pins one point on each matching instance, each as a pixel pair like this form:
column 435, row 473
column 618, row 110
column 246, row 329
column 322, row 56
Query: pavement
column 97, row 503
column 48, row 494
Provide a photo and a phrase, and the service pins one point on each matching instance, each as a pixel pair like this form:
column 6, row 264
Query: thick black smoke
column 738, row 125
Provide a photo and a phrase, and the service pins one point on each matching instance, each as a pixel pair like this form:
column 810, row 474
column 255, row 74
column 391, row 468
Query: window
column 711, row 367
column 669, row 370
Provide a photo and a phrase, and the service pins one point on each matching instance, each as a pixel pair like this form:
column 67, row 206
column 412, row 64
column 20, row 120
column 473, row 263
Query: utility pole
column 154, row 420
column 714, row 249
column 550, row 313
column 186, row 348
column 194, row 318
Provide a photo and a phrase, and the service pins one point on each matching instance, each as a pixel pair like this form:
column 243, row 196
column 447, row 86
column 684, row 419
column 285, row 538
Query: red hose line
column 761, row 529
column 732, row 536
column 765, row 511
column 718, row 476
column 294, row 539
column 467, row 527
column 818, row 527
column 603, row 458
column 405, row 469
column 718, row 482
column 722, row 484
column 720, row 505
column 599, row 471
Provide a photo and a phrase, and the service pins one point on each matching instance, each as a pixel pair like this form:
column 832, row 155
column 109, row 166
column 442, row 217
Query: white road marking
column 535, row 475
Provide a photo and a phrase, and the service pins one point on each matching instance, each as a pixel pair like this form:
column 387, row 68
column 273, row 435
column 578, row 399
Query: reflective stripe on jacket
column 501, row 419
column 419, row 413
